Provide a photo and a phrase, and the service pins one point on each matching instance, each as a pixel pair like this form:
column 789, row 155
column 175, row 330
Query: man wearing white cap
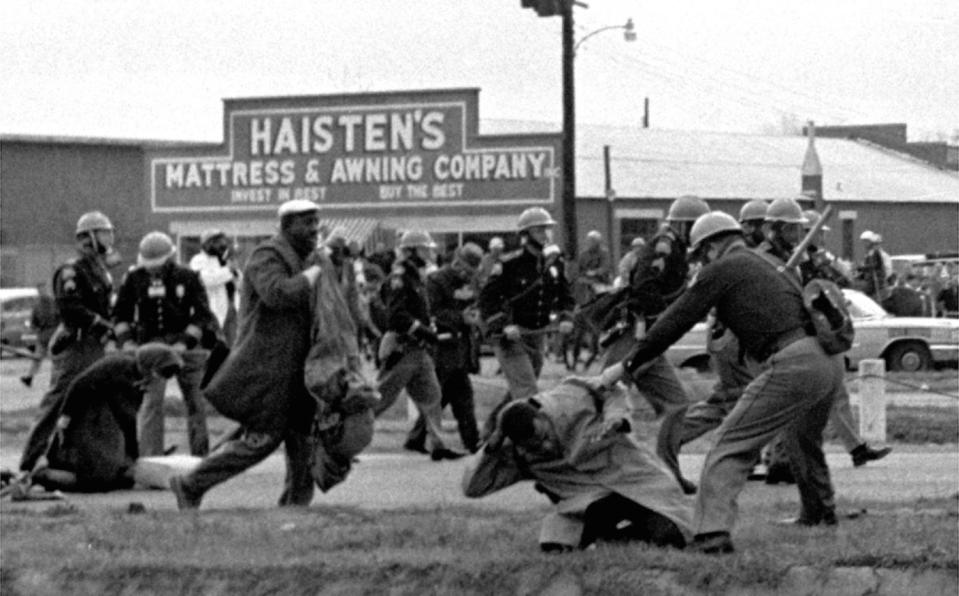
column 161, row 301
column 261, row 384
column 876, row 266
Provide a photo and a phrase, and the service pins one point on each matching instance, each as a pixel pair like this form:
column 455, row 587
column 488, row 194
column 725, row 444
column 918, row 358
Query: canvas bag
column 826, row 307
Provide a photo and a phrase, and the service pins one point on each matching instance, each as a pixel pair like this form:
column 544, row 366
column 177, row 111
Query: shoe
column 555, row 548
column 714, row 543
column 757, row 473
column 26, row 380
column 414, row 446
column 863, row 454
column 184, row 501
column 441, row 453
column 777, row 474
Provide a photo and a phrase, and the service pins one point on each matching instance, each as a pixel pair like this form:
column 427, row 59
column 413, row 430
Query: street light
column 629, row 33
column 564, row 8
column 569, row 119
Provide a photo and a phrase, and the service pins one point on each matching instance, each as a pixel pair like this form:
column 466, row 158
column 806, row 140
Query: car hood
column 927, row 322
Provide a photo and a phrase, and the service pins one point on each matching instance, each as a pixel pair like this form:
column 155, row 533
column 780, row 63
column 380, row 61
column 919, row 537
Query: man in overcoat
column 261, row 384
column 574, row 442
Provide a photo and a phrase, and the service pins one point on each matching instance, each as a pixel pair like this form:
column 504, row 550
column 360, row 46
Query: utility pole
column 569, row 134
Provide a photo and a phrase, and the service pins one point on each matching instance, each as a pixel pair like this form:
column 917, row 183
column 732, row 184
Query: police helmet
column 155, row 249
column 534, row 216
column 416, row 238
column 470, row 254
column 752, row 210
column 687, row 208
column 93, row 221
column 711, row 224
column 812, row 218
column 785, row 210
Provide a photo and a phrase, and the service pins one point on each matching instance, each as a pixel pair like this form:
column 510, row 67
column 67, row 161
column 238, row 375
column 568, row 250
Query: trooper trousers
column 150, row 418
column 416, row 373
column 793, row 395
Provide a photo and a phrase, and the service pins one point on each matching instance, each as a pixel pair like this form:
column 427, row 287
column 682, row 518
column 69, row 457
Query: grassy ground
column 457, row 550
column 58, row 548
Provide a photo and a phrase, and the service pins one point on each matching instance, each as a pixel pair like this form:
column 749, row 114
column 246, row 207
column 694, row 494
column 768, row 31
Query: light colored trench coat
column 589, row 470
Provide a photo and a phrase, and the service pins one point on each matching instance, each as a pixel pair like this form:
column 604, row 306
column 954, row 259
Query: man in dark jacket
column 452, row 297
column 82, row 288
column 160, row 301
column 405, row 347
column 261, row 384
column 794, row 393
column 93, row 444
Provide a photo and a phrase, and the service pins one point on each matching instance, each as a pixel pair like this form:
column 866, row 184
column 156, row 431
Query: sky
column 159, row 69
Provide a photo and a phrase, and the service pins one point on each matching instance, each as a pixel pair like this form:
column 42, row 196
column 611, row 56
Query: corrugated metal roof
column 667, row 163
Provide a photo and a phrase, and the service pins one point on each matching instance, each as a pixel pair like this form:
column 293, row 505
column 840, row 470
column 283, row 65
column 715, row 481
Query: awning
column 364, row 231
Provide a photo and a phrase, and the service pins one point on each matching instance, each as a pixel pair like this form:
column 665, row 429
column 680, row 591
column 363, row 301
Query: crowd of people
column 278, row 346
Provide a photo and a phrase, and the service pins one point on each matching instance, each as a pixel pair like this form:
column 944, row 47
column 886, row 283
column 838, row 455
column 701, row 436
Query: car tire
column 908, row 357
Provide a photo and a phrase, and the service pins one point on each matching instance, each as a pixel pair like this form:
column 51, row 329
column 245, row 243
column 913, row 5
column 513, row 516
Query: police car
column 905, row 343
column 16, row 306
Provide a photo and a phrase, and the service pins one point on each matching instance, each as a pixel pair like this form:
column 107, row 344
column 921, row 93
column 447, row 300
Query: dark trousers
column 249, row 448
column 604, row 520
column 457, row 392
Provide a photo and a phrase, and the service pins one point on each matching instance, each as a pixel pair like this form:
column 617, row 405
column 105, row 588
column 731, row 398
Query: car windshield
column 863, row 307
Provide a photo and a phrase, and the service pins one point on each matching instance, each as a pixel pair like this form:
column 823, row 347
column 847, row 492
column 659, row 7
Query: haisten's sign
column 362, row 151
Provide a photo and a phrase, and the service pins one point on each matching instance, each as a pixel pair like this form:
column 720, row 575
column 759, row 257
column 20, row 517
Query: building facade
column 381, row 163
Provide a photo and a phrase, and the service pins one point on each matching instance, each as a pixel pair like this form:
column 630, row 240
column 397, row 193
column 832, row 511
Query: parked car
column 16, row 305
column 905, row 343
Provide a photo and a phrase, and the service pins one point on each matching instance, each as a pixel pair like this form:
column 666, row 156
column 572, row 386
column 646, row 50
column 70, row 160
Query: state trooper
column 786, row 225
column 405, row 347
column 660, row 276
column 793, row 394
column 82, row 289
column 752, row 217
column 452, row 296
column 524, row 289
column 161, row 301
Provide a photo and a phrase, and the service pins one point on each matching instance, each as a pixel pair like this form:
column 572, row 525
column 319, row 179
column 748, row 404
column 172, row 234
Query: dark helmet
column 687, row 208
column 710, row 225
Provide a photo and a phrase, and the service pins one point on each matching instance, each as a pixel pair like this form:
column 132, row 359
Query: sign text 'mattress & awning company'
column 357, row 156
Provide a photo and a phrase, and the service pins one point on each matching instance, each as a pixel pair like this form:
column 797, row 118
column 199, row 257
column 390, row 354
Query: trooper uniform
column 82, row 289
column 818, row 264
column 734, row 369
column 408, row 363
column 524, row 289
column 658, row 279
column 167, row 303
column 451, row 294
column 794, row 392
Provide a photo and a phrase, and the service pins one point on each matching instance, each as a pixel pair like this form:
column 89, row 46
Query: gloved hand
column 611, row 375
column 612, row 427
column 566, row 327
column 129, row 346
column 511, row 332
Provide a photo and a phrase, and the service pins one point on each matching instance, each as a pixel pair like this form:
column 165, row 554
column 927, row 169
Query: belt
column 780, row 343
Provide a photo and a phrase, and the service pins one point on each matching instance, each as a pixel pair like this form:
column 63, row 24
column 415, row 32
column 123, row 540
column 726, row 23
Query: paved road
column 388, row 481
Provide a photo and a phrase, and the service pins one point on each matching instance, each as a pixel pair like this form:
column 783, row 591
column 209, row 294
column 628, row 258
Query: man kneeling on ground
column 575, row 443
column 93, row 445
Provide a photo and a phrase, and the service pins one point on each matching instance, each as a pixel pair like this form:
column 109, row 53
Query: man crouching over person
column 574, row 442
